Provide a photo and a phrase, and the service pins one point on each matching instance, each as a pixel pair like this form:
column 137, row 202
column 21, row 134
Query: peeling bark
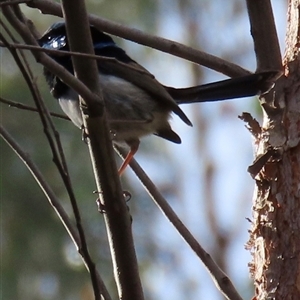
column 275, row 233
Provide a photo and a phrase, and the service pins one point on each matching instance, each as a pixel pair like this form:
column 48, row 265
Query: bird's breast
column 131, row 112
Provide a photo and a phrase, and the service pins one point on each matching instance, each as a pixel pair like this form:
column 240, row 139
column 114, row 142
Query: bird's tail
column 245, row 86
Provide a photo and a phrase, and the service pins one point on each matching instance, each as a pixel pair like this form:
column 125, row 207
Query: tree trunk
column 275, row 232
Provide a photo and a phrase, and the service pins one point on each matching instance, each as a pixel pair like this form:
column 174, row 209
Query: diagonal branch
column 221, row 280
column 58, row 157
column 54, row 202
column 44, row 59
column 42, row 182
column 165, row 45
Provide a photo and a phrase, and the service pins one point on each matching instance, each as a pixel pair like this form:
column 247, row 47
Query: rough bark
column 275, row 233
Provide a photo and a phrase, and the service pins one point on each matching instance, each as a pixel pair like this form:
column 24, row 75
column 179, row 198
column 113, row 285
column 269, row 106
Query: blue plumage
column 136, row 103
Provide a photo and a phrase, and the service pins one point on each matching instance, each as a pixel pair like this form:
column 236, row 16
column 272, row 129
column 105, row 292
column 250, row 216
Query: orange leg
column 133, row 149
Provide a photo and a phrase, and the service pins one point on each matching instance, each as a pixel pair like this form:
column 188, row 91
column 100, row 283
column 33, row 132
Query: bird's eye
column 49, row 37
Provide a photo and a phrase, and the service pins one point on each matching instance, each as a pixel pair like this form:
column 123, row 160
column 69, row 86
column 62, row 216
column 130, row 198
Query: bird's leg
column 134, row 146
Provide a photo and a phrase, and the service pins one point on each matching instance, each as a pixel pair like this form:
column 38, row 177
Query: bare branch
column 264, row 35
column 14, row 2
column 117, row 218
column 42, row 182
column 221, row 280
column 44, row 59
column 54, row 202
column 59, row 161
column 165, row 45
column 42, row 109
column 19, row 105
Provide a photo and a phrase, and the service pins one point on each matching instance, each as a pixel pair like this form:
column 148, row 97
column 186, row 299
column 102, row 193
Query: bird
column 137, row 104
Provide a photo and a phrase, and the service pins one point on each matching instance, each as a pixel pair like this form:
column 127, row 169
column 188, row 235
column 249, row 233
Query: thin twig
column 21, row 52
column 44, row 59
column 42, row 109
column 42, row 182
column 83, row 55
column 117, row 218
column 54, row 202
column 14, row 2
column 165, row 45
column 61, row 164
column 19, row 105
column 222, row 281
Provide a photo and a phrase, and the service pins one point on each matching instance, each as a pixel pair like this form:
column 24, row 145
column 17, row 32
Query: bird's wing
column 120, row 65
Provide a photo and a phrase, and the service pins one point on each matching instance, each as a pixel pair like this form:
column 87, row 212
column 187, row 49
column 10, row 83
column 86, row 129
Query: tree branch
column 221, row 280
column 54, row 202
column 19, row 105
column 164, row 45
column 117, row 218
column 264, row 35
column 44, row 59
column 13, row 2
column 58, row 157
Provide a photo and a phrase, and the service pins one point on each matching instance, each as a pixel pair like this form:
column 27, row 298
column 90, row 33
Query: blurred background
column 204, row 179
